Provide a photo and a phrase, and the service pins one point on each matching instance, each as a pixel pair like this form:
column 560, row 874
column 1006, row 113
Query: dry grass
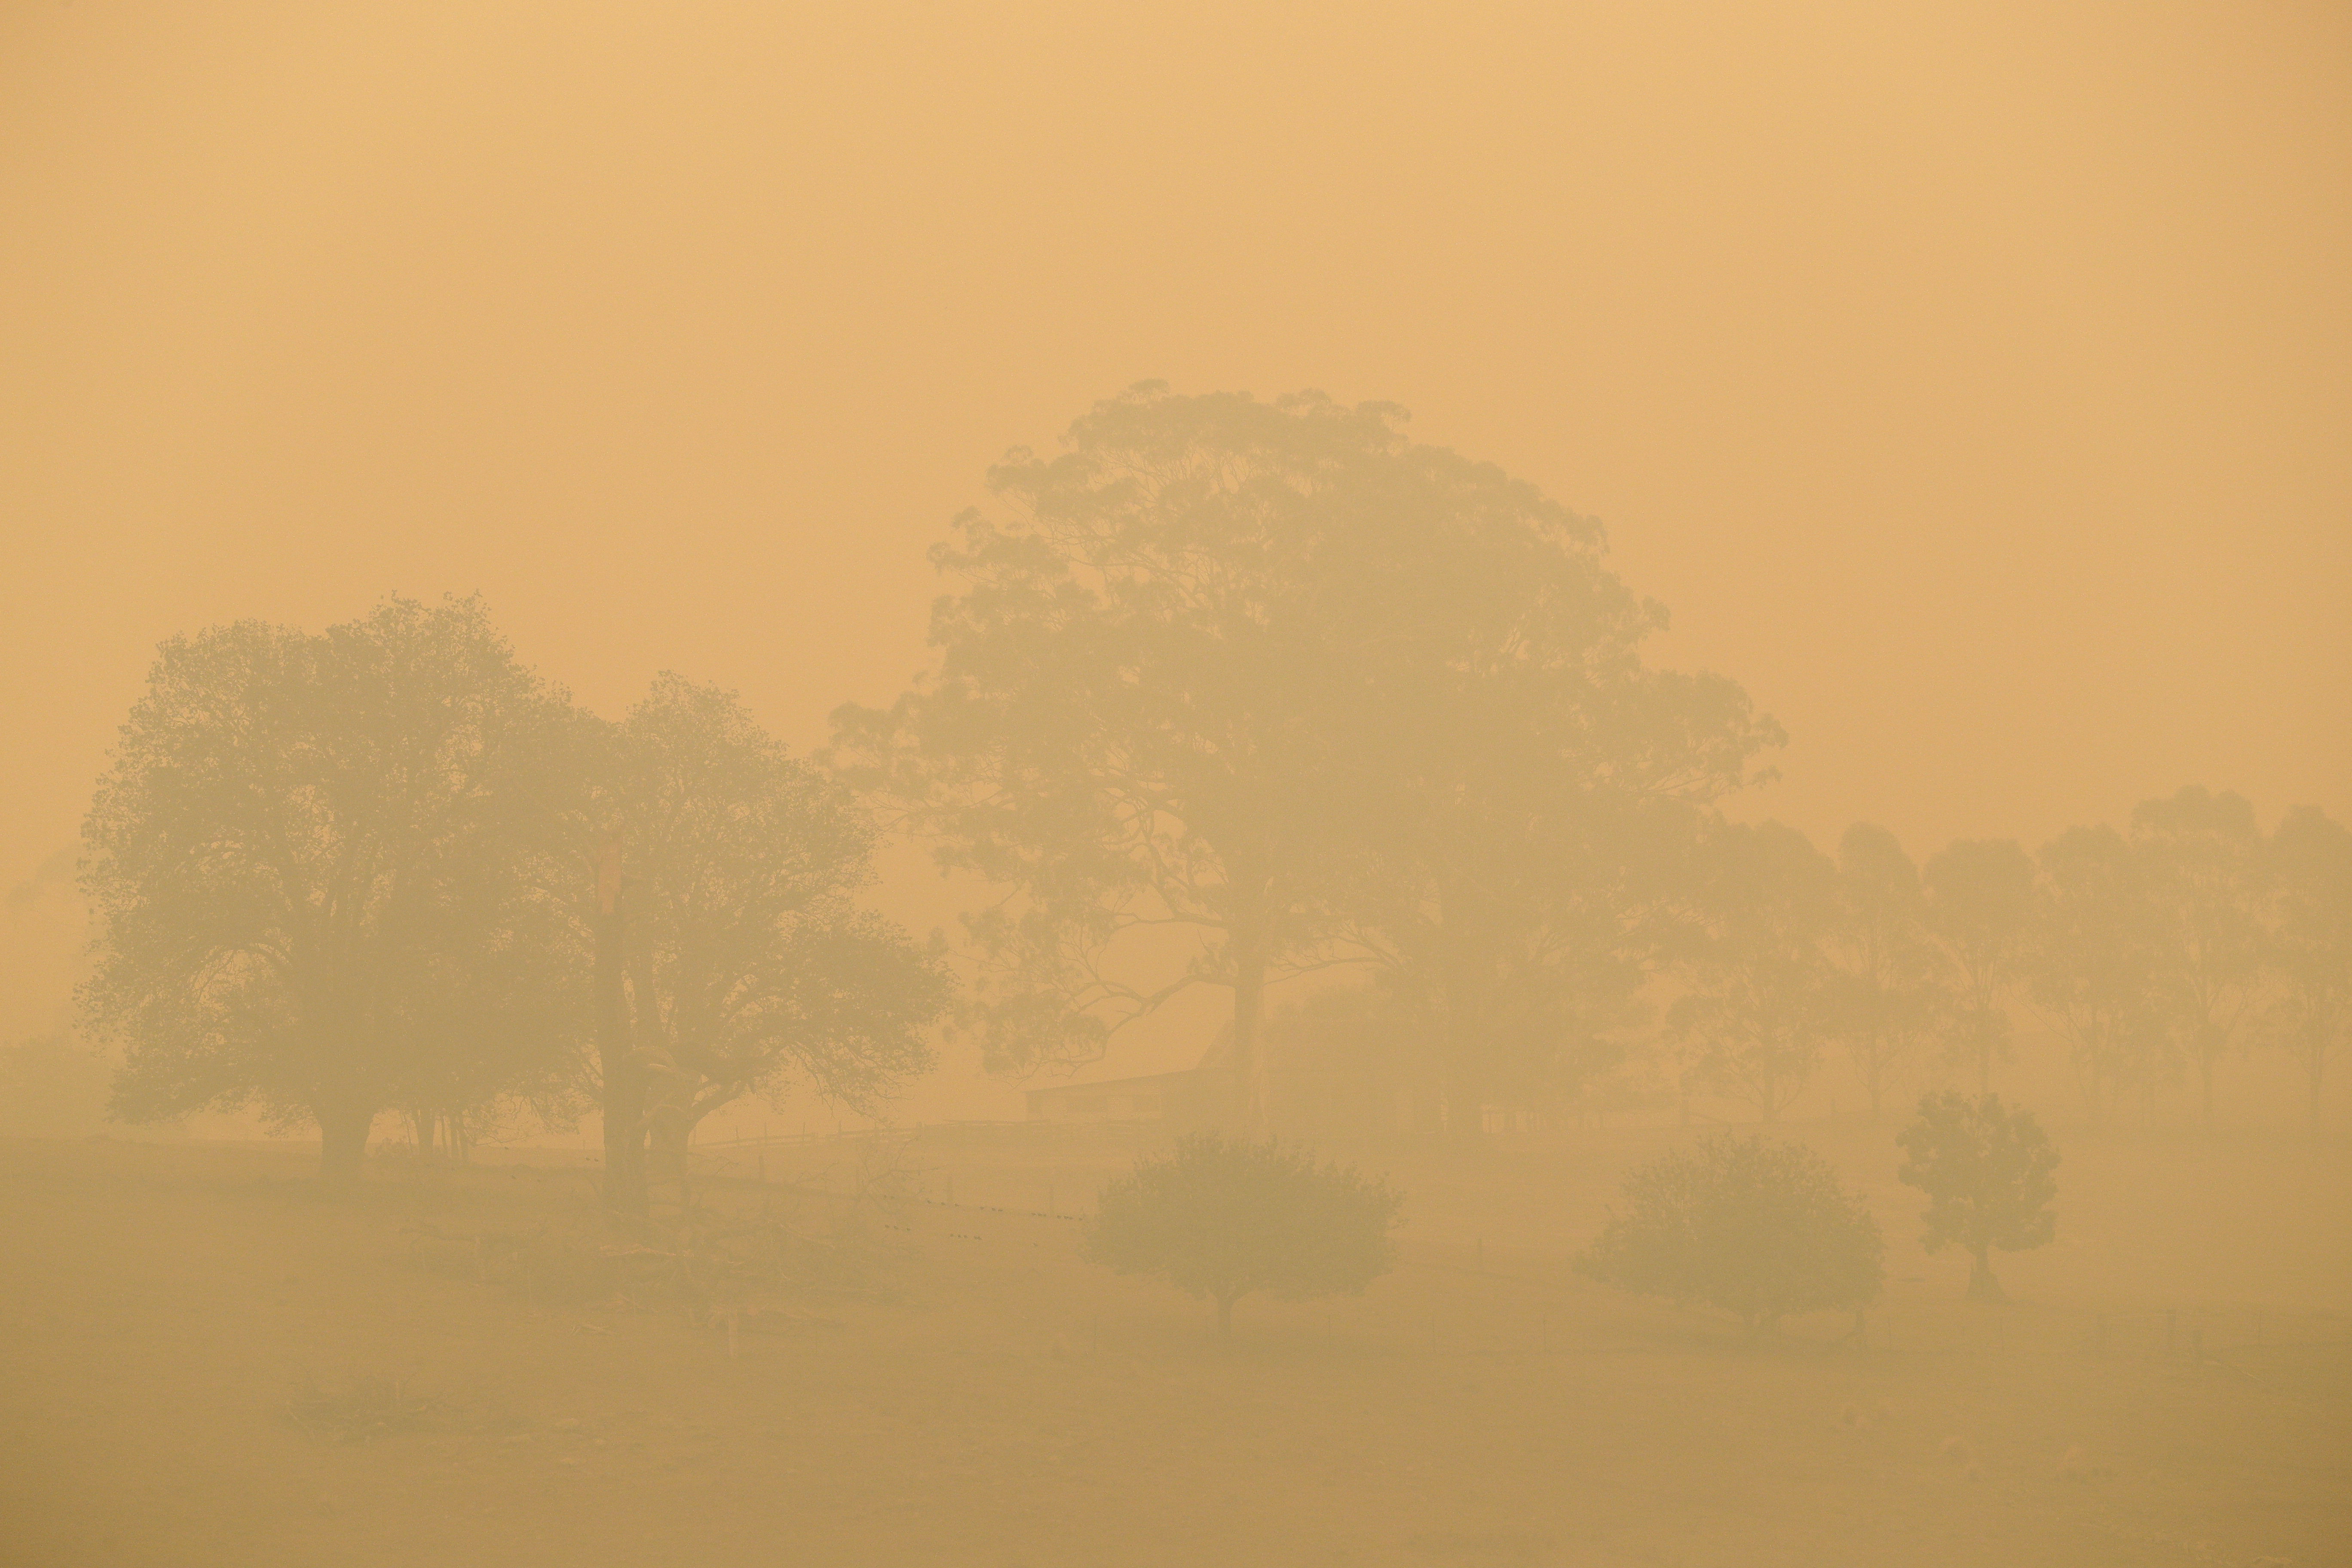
column 898, row 1381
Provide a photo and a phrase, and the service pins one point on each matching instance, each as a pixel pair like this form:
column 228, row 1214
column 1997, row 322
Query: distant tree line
column 1225, row 693
column 2156, row 952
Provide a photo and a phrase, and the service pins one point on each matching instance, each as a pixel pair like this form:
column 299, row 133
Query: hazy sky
column 1976, row 388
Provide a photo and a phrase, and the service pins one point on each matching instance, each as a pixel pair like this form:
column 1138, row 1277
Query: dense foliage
column 1756, row 1229
column 1224, row 1219
column 749, row 967
column 1231, row 689
column 314, row 865
column 1987, row 1169
column 385, row 867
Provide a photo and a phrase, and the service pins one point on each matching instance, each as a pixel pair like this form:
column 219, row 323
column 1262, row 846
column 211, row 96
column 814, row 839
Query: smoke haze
column 1972, row 386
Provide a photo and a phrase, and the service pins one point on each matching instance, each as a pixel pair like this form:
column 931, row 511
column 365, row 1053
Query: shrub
column 1757, row 1229
column 1987, row 1169
column 1223, row 1218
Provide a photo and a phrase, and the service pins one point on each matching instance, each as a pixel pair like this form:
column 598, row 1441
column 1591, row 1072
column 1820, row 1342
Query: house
column 1155, row 1097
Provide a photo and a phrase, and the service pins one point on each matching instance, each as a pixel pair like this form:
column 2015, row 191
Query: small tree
column 1221, row 1218
column 1986, row 1169
column 1756, row 1229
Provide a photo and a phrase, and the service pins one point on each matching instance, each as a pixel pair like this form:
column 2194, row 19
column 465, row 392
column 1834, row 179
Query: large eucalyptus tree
column 1228, row 688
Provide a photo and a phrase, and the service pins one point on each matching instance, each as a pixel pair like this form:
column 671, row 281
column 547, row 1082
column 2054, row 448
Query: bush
column 1223, row 1218
column 1987, row 1169
column 1757, row 1229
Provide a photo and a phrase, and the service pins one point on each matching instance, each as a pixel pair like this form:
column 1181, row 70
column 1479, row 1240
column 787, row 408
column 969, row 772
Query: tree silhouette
column 2307, row 949
column 1225, row 1218
column 1756, row 1004
column 746, row 964
column 1753, row 1227
column 1885, row 997
column 1986, row 1169
column 1519, row 864
column 1981, row 907
column 311, row 860
column 1207, row 660
column 2094, row 964
column 2203, row 864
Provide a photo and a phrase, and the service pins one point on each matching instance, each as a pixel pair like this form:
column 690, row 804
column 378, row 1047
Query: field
column 205, row 1361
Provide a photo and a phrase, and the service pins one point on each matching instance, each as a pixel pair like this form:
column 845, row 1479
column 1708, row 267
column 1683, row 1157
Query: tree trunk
column 1983, row 1285
column 624, row 1107
column 1251, row 1114
column 343, row 1142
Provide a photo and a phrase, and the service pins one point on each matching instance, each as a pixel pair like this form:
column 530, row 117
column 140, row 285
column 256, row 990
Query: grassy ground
column 203, row 1360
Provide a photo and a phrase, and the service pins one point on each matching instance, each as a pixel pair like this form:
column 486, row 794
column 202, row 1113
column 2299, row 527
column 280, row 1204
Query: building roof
column 1102, row 1085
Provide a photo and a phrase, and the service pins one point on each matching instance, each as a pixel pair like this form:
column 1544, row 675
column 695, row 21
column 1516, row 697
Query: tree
column 2307, row 947
column 748, row 966
column 1755, row 1228
column 306, row 846
column 2203, row 863
column 1757, row 1002
column 2093, row 963
column 1528, row 784
column 1986, row 1169
column 1199, row 664
column 1224, row 1219
column 1886, row 997
column 1981, row 907
column 1520, row 858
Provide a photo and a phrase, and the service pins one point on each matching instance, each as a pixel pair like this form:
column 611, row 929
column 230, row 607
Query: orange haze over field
column 1973, row 388
column 1971, row 383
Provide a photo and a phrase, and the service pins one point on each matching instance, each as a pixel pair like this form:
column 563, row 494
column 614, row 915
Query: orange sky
column 1976, row 389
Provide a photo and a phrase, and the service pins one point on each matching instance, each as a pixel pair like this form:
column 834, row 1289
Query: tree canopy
column 2306, row 1010
column 1223, row 664
column 749, row 966
column 1753, row 1227
column 1981, row 907
column 2093, row 965
column 1887, row 997
column 1987, row 1168
column 2202, row 869
column 1756, row 1004
column 1224, row 1218
column 311, row 867
column 384, row 867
